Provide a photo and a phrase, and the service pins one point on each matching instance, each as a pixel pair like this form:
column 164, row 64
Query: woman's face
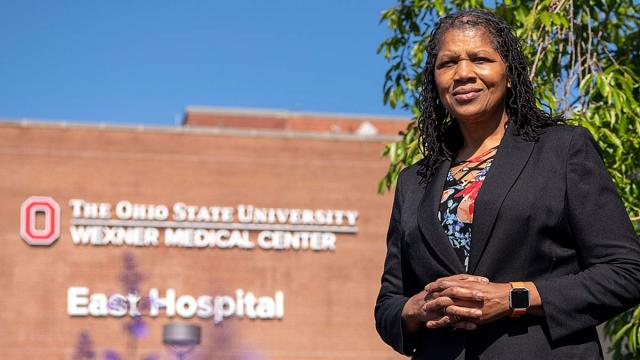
column 470, row 76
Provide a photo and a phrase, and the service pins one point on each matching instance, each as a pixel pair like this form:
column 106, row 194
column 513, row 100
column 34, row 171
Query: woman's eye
column 446, row 63
column 481, row 60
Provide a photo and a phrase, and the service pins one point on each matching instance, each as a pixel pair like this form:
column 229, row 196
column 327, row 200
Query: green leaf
column 633, row 339
column 620, row 334
column 545, row 19
column 611, row 137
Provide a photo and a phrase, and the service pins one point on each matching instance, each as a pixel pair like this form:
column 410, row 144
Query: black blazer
column 547, row 212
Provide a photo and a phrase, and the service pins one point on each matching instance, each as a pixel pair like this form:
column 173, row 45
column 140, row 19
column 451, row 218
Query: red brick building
column 262, row 227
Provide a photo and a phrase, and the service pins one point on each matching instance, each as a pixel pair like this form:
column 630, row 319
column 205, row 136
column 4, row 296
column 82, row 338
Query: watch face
column 519, row 298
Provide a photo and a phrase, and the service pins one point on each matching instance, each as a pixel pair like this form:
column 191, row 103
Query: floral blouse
column 456, row 205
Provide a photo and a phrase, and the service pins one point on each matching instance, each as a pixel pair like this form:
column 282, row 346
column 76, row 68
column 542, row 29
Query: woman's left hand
column 496, row 298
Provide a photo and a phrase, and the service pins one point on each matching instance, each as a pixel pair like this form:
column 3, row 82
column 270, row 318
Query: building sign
column 80, row 302
column 191, row 226
column 182, row 226
column 186, row 226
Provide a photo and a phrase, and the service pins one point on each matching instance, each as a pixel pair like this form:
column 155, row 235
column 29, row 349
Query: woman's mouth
column 466, row 96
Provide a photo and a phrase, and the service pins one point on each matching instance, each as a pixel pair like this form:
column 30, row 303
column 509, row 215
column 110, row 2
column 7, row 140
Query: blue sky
column 145, row 61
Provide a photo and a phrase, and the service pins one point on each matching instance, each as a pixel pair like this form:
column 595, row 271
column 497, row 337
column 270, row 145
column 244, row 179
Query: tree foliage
column 585, row 60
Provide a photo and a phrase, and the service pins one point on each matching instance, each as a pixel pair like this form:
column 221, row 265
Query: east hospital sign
column 185, row 226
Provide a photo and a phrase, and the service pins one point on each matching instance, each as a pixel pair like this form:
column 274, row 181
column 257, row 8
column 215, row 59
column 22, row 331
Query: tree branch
column 541, row 46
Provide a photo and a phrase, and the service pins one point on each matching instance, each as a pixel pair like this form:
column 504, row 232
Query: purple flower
column 110, row 355
column 145, row 303
column 84, row 347
column 130, row 277
column 137, row 327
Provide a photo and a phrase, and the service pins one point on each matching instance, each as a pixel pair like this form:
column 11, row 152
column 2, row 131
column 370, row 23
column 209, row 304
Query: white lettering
column 81, row 303
column 118, row 236
column 117, row 305
column 302, row 240
column 266, row 308
column 223, row 307
column 245, row 213
column 156, row 302
column 186, row 306
column 279, row 305
column 124, row 210
column 98, row 305
column 201, row 238
column 205, row 308
column 77, row 300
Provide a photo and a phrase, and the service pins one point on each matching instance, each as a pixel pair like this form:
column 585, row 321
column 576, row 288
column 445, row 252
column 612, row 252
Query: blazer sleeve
column 391, row 298
column 608, row 247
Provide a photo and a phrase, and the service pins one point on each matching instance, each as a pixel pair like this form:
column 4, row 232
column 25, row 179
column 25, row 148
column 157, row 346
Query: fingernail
column 479, row 295
column 485, row 280
column 477, row 312
column 471, row 326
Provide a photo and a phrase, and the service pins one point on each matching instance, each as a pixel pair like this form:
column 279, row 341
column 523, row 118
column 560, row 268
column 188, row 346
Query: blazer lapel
column 432, row 232
column 511, row 157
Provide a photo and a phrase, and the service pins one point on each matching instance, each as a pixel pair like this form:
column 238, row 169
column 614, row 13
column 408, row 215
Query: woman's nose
column 464, row 71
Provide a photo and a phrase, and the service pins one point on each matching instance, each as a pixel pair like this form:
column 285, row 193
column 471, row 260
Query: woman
column 508, row 240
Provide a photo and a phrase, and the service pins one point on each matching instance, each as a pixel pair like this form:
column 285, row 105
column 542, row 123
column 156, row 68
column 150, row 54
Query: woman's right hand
column 458, row 313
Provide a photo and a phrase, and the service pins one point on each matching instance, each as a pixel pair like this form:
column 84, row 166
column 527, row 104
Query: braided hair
column 440, row 135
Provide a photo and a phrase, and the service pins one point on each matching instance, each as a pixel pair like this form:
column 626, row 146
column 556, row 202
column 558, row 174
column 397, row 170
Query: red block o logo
column 28, row 213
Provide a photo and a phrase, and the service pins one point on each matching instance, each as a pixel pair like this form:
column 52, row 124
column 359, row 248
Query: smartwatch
column 519, row 299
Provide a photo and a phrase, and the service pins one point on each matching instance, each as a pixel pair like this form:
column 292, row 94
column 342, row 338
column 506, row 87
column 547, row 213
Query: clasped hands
column 461, row 301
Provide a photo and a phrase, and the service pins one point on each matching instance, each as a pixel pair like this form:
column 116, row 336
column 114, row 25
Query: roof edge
column 282, row 113
column 195, row 130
